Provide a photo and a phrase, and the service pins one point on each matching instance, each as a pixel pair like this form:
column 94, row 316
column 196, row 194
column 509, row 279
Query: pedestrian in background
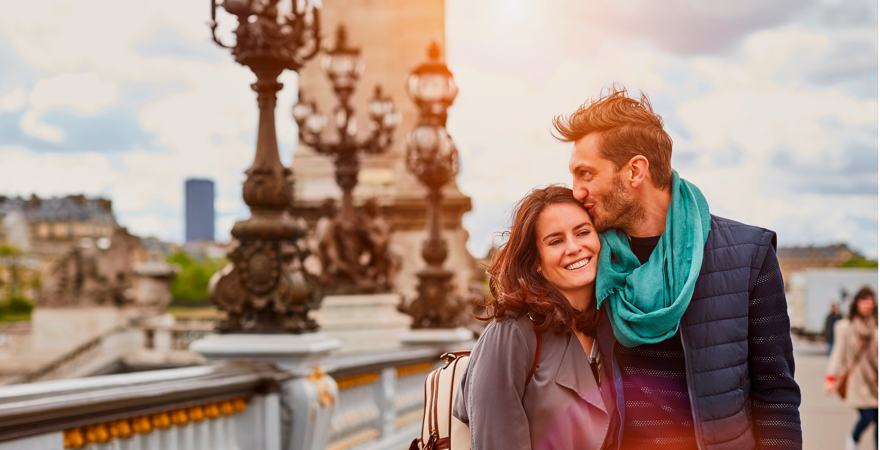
column 852, row 370
column 831, row 319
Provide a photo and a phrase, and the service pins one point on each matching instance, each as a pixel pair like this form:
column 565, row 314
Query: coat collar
column 575, row 374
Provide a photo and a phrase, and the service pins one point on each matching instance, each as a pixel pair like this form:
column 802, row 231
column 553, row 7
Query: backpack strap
column 537, row 359
column 426, row 410
column 433, row 421
column 452, row 387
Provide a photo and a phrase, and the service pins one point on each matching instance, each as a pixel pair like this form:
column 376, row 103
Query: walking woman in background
column 533, row 381
column 852, row 370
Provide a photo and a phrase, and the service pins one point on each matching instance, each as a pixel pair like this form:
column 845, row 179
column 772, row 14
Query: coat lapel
column 575, row 374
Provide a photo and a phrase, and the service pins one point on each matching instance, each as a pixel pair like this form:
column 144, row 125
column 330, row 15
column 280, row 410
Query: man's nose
column 580, row 191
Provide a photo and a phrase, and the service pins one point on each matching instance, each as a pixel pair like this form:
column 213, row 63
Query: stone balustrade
column 223, row 407
column 373, row 401
column 380, row 398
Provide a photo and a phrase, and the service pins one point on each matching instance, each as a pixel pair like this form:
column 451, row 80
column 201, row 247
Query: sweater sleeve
column 836, row 364
column 490, row 400
column 775, row 396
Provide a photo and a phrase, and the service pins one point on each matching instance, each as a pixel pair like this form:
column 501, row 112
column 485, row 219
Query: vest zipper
column 690, row 382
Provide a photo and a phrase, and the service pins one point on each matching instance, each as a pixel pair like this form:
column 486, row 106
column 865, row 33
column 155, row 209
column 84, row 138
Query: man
column 696, row 336
column 831, row 319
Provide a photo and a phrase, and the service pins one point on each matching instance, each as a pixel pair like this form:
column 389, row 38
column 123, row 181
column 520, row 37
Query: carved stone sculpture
column 92, row 273
column 354, row 254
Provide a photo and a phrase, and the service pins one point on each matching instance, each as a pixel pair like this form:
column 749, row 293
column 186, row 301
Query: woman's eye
column 584, row 233
column 555, row 242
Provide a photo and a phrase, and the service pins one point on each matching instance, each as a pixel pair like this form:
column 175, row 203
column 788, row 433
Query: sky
column 772, row 106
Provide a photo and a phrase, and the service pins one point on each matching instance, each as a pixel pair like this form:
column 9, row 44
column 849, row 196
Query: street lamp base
column 298, row 353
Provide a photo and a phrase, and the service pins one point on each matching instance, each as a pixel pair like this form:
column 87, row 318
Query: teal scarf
column 646, row 301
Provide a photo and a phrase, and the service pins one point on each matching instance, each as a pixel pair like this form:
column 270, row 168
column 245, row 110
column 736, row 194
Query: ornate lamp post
column 264, row 289
column 343, row 66
column 432, row 157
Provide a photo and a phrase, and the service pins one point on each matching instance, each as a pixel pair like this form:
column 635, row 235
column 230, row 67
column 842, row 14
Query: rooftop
column 71, row 207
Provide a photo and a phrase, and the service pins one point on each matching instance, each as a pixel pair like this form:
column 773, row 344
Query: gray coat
column 563, row 407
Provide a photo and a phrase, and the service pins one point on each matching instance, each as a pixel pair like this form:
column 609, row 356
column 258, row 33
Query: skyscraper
column 199, row 210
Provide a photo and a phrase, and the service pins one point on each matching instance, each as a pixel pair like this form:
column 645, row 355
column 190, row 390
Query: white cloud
column 517, row 67
column 80, row 93
column 13, row 100
column 734, row 111
column 32, row 125
column 205, row 127
column 47, row 174
column 83, row 93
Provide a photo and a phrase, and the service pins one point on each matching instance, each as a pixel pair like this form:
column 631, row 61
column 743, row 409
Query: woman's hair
column 516, row 285
column 864, row 292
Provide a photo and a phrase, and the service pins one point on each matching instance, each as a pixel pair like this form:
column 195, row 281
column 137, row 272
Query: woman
column 855, row 354
column 543, row 282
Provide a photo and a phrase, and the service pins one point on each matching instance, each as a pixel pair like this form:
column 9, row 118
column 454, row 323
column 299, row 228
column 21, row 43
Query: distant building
column 792, row 259
column 47, row 227
column 199, row 210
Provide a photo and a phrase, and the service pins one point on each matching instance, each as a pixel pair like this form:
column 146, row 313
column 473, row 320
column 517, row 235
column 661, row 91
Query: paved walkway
column 826, row 419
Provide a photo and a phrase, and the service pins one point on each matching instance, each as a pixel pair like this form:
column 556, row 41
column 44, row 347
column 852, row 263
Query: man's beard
column 617, row 209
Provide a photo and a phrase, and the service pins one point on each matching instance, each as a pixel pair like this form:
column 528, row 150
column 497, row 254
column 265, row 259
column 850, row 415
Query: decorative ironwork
column 265, row 289
column 432, row 157
column 354, row 251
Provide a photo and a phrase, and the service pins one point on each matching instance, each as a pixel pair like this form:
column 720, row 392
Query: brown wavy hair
column 627, row 126
column 518, row 288
column 864, row 292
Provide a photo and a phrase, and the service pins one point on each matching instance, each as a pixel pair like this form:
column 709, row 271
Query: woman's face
column 865, row 306
column 568, row 247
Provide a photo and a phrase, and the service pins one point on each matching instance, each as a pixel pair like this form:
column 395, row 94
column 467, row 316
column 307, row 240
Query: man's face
column 598, row 184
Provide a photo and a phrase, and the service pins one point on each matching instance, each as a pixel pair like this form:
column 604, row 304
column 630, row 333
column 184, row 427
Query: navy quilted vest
column 715, row 334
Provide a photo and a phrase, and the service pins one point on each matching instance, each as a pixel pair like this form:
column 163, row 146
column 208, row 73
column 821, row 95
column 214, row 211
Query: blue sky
column 772, row 106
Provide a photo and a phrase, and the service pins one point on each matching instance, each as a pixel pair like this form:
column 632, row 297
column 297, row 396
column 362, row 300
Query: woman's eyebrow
column 556, row 234
column 585, row 224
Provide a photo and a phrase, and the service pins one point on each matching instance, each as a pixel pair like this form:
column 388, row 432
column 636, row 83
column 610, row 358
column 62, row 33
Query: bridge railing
column 375, row 400
column 224, row 407
column 380, row 398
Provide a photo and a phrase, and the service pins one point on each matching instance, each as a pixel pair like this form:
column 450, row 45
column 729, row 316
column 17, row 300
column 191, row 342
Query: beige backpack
column 440, row 429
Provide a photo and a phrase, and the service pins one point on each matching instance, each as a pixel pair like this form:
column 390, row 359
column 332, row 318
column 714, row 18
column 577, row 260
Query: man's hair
column 627, row 127
column 518, row 288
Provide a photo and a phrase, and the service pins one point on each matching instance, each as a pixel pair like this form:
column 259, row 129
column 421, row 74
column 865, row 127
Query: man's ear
column 638, row 169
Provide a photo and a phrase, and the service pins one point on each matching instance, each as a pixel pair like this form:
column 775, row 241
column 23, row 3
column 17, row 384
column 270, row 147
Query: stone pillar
column 365, row 322
column 152, row 285
column 307, row 399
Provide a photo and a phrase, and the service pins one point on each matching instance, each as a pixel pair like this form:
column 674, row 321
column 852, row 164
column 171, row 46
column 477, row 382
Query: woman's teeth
column 578, row 264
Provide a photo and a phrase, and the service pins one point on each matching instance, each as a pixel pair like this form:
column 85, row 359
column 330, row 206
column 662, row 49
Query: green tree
column 860, row 262
column 14, row 304
column 190, row 286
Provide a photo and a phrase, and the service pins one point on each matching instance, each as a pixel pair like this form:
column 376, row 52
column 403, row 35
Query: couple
column 625, row 316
